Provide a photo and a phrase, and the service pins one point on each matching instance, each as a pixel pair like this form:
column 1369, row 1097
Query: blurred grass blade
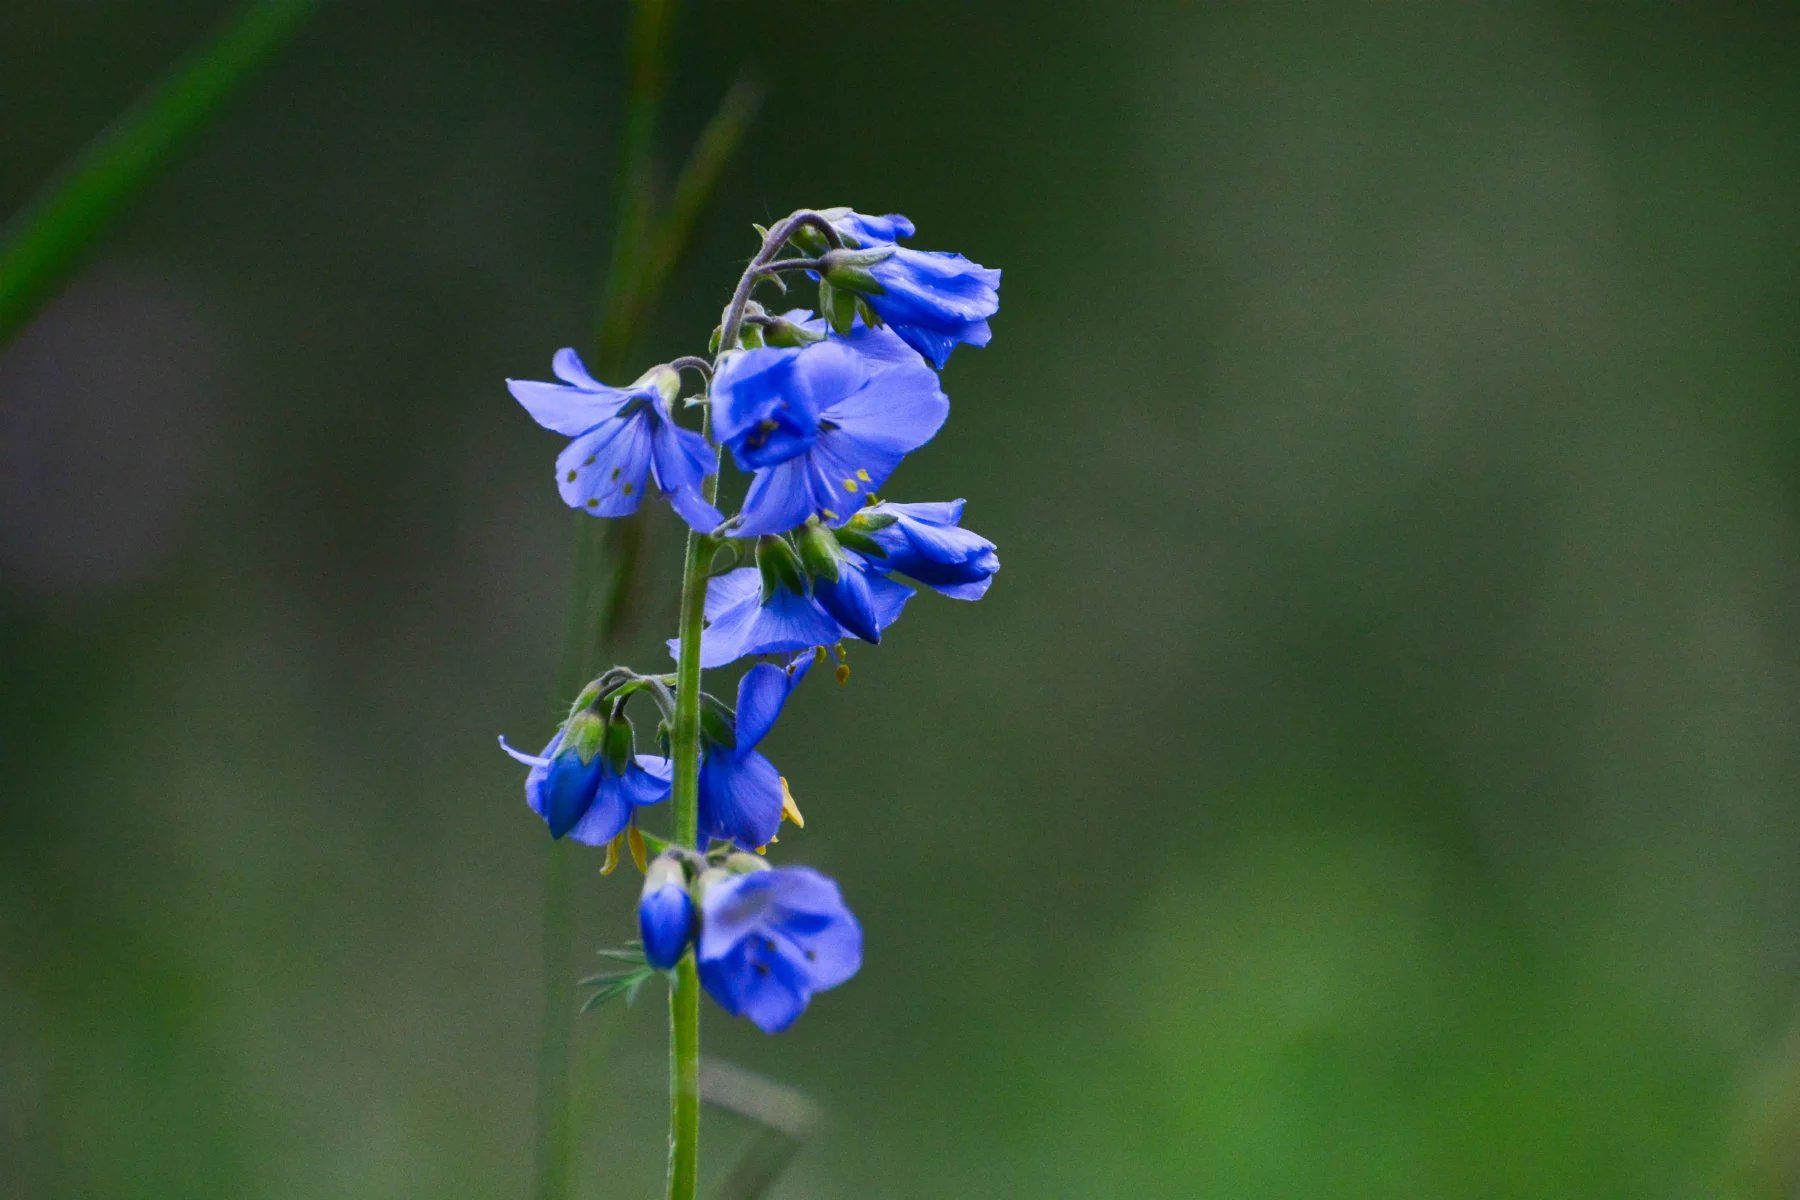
column 43, row 243
column 784, row 1117
column 659, row 253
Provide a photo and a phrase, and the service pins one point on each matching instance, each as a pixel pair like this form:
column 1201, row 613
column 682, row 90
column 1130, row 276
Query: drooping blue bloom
column 665, row 913
column 822, row 425
column 740, row 624
column 588, row 798
column 933, row 299
column 772, row 939
column 624, row 439
column 741, row 792
column 924, row 542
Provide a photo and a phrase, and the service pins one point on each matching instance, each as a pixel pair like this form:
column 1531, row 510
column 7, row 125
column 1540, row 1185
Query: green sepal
column 779, row 566
column 585, row 734
column 782, row 332
column 856, row 539
column 819, row 551
column 620, row 744
column 717, row 726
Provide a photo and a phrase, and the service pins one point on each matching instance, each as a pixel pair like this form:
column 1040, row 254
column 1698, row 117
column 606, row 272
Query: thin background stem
column 47, row 240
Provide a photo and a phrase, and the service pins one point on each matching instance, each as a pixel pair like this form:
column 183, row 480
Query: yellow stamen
column 863, row 475
column 634, row 841
column 789, row 810
column 850, row 485
column 612, row 856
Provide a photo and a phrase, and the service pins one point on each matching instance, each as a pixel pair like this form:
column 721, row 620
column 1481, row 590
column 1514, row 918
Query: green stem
column 684, row 747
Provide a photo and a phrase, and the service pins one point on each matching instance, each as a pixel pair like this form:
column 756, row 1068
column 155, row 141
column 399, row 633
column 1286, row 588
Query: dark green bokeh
column 1373, row 773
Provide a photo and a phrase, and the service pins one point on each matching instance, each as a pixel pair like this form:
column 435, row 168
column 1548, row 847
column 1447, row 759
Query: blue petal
column 603, row 471
column 753, row 982
column 749, row 387
column 789, row 621
column 781, row 498
column 571, row 370
column 608, row 814
column 889, row 598
column 873, row 231
column 762, row 692
column 566, row 410
column 848, row 602
column 740, row 799
column 700, row 514
column 898, row 411
column 565, row 793
column 639, row 787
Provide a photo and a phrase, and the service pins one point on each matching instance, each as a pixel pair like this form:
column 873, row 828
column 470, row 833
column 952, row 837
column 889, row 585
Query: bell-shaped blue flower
column 822, row 425
column 741, row 793
column 926, row 543
column 665, row 913
column 587, row 784
column 742, row 623
column 772, row 939
column 935, row 300
column 624, row 441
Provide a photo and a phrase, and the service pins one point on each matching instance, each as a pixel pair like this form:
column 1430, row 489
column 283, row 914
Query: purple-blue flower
column 665, row 913
column 624, row 440
column 933, row 299
column 822, row 425
column 583, row 791
column 772, row 939
column 741, row 624
column 741, row 793
column 925, row 542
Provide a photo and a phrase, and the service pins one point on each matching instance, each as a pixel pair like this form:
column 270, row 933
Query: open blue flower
column 822, row 425
column 924, row 542
column 772, row 939
column 935, row 300
column 665, row 913
column 741, row 793
column 624, row 439
column 589, row 798
column 740, row 624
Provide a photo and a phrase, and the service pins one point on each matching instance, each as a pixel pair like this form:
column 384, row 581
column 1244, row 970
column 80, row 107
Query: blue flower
column 584, row 792
column 935, row 300
column 771, row 939
column 665, row 913
column 822, row 425
column 740, row 623
column 623, row 439
column 742, row 795
column 924, row 542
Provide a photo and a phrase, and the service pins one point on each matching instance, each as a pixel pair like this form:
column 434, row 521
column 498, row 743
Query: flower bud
column 665, row 913
column 619, row 744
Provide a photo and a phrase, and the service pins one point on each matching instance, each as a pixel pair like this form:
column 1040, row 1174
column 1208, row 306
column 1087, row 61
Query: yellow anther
column 818, row 654
column 634, row 841
column 828, row 514
column 850, row 485
column 789, row 810
column 612, row 856
column 863, row 475
column 842, row 674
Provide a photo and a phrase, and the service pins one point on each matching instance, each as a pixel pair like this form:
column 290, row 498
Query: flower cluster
column 818, row 408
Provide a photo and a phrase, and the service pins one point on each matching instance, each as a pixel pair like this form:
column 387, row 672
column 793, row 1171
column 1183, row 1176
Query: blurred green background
column 1373, row 774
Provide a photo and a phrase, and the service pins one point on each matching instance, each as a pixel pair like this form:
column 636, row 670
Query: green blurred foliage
column 1372, row 774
